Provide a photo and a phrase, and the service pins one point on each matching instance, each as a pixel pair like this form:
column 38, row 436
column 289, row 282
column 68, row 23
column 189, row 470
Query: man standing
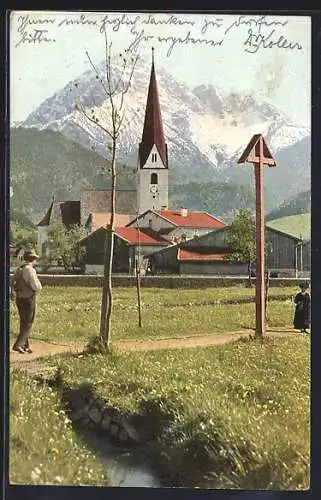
column 24, row 286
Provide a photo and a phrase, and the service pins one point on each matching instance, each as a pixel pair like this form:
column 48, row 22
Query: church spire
column 153, row 133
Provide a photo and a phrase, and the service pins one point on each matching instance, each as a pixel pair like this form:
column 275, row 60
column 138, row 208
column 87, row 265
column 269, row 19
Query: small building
column 286, row 255
column 130, row 245
column 91, row 211
column 67, row 212
column 178, row 225
column 206, row 255
column 290, row 245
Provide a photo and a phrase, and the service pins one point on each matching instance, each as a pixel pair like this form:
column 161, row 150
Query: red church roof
column 135, row 236
column 191, row 219
column 153, row 127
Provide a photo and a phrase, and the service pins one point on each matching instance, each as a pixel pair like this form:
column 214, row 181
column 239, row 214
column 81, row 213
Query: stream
column 126, row 467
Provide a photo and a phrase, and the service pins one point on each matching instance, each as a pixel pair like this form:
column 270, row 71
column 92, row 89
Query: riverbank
column 231, row 416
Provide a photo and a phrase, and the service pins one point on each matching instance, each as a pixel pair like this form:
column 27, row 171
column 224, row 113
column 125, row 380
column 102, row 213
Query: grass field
column 240, row 412
column 71, row 314
column 43, row 447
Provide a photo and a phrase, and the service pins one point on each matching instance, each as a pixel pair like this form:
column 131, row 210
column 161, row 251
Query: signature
column 256, row 41
column 34, row 36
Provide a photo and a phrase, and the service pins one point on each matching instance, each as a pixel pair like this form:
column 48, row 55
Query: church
column 144, row 223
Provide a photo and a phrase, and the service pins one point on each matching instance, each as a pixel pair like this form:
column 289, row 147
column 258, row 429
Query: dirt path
column 44, row 349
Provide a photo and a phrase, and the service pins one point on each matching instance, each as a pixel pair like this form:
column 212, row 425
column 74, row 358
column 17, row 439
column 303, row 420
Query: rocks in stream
column 91, row 413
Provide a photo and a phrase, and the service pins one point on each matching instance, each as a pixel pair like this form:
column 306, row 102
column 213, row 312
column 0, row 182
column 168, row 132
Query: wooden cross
column 259, row 154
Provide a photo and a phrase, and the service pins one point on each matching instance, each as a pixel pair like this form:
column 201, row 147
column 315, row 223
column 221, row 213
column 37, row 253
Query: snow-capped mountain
column 205, row 131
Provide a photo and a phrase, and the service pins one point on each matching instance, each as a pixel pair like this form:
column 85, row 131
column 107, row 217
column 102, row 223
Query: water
column 130, row 476
column 128, row 468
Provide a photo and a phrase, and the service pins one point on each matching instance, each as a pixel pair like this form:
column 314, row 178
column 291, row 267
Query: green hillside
column 299, row 204
column 45, row 163
column 295, row 225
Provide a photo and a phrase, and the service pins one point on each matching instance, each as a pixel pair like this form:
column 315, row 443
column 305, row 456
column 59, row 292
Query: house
column 290, row 245
column 157, row 229
column 130, row 245
column 91, row 211
column 287, row 255
column 178, row 225
column 67, row 212
column 206, row 254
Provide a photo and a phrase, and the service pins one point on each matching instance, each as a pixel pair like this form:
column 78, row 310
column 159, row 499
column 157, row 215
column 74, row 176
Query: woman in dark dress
column 302, row 310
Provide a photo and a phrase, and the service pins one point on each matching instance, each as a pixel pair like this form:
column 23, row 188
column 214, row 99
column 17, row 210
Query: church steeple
column 153, row 134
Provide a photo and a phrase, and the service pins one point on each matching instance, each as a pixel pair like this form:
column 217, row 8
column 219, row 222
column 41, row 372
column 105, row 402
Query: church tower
column 152, row 156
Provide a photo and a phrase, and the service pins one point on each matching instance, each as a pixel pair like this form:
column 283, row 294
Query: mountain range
column 44, row 164
column 206, row 131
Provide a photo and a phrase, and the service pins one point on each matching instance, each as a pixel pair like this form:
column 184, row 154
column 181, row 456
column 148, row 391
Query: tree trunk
column 138, row 293
column 249, row 269
column 107, row 295
column 267, row 284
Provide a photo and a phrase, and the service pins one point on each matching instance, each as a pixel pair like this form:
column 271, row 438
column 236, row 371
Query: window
column 154, row 178
column 154, row 157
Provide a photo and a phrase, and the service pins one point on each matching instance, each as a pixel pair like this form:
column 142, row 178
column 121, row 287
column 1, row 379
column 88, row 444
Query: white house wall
column 42, row 237
column 157, row 223
column 189, row 232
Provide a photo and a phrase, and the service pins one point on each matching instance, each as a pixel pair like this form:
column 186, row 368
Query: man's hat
column 304, row 285
column 29, row 254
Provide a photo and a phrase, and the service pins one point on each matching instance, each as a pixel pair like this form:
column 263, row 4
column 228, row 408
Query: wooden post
column 260, row 290
column 258, row 153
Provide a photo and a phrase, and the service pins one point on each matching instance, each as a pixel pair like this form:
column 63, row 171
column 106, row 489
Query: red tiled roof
column 135, row 236
column 153, row 127
column 187, row 255
column 192, row 219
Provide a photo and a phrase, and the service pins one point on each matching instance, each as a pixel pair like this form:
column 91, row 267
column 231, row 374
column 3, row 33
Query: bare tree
column 115, row 85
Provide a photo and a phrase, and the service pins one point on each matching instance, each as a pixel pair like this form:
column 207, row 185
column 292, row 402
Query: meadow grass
column 240, row 412
column 71, row 314
column 43, row 447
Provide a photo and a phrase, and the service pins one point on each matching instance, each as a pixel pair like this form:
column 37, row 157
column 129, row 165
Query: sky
column 268, row 57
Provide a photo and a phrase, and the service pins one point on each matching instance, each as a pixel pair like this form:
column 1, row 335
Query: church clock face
column 153, row 189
